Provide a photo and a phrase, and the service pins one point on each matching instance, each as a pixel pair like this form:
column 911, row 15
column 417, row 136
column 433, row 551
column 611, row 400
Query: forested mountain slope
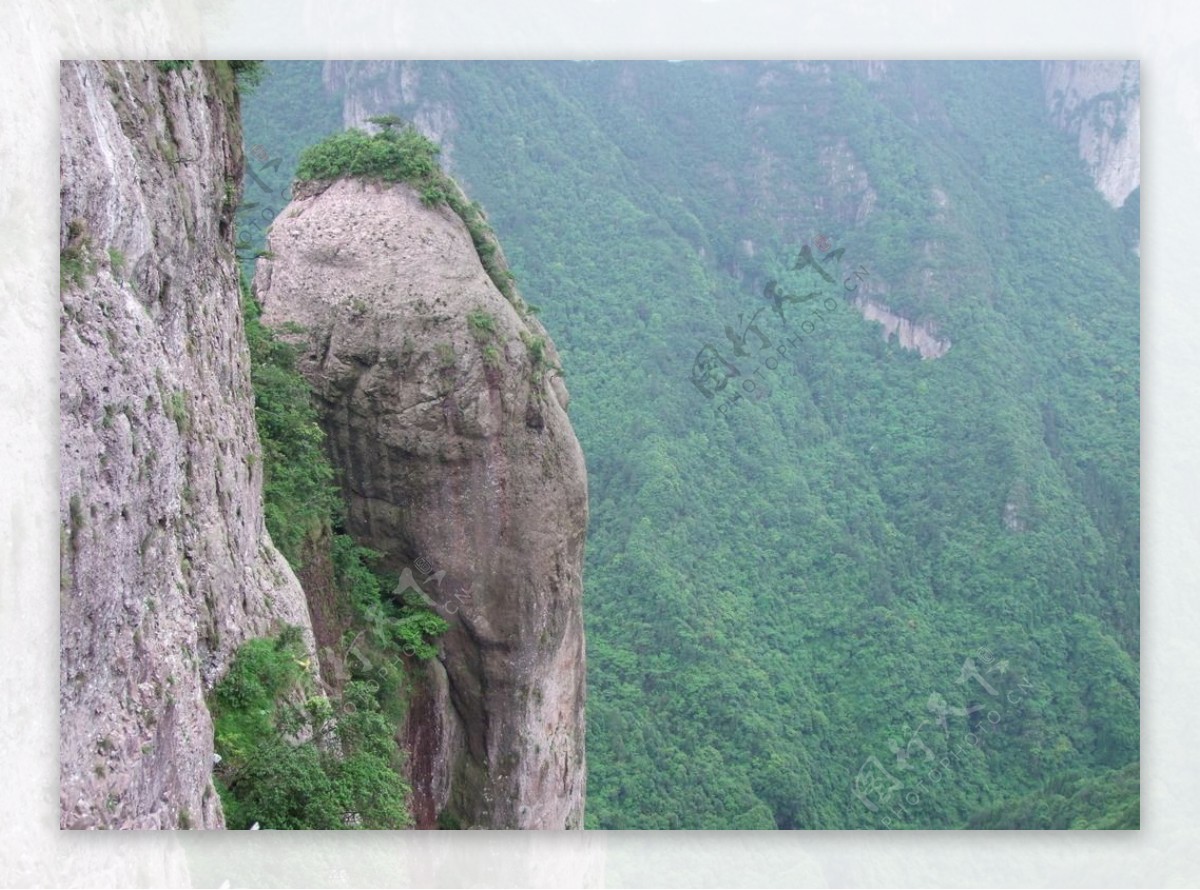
column 895, row 582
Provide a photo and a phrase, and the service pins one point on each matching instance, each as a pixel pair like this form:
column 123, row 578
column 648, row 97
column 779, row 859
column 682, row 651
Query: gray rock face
column 1100, row 103
column 166, row 564
column 370, row 88
column 919, row 336
column 459, row 464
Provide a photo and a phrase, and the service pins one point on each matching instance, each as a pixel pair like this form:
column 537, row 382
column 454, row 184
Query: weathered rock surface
column 1100, row 103
column 459, row 464
column 166, row 564
column 920, row 336
column 851, row 197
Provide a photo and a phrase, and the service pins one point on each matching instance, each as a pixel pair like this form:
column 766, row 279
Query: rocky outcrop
column 920, row 337
column 166, row 565
column 448, row 424
column 1099, row 103
column 849, row 196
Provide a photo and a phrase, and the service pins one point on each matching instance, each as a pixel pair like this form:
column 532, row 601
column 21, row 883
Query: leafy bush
column 74, row 266
column 263, row 672
column 298, row 492
column 392, row 156
column 282, row 786
column 393, row 623
column 249, row 73
column 75, row 261
column 116, row 261
column 345, row 774
column 351, row 563
column 177, row 410
column 491, row 356
column 481, row 324
column 414, row 631
column 538, row 358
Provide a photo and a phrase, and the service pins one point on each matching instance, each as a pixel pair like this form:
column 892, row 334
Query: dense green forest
column 871, row 590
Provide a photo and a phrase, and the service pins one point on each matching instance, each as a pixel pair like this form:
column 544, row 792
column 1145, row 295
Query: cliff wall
column 166, row 564
column 1100, row 103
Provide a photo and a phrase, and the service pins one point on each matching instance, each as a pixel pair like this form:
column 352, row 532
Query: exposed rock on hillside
column 1100, row 103
column 919, row 336
column 851, row 197
column 166, row 565
column 448, row 424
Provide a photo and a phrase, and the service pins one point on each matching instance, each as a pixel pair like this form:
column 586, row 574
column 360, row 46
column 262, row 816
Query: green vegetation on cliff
column 299, row 496
column 292, row 759
column 302, row 502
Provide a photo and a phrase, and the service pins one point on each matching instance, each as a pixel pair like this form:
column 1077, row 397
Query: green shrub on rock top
column 401, row 154
column 392, row 156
